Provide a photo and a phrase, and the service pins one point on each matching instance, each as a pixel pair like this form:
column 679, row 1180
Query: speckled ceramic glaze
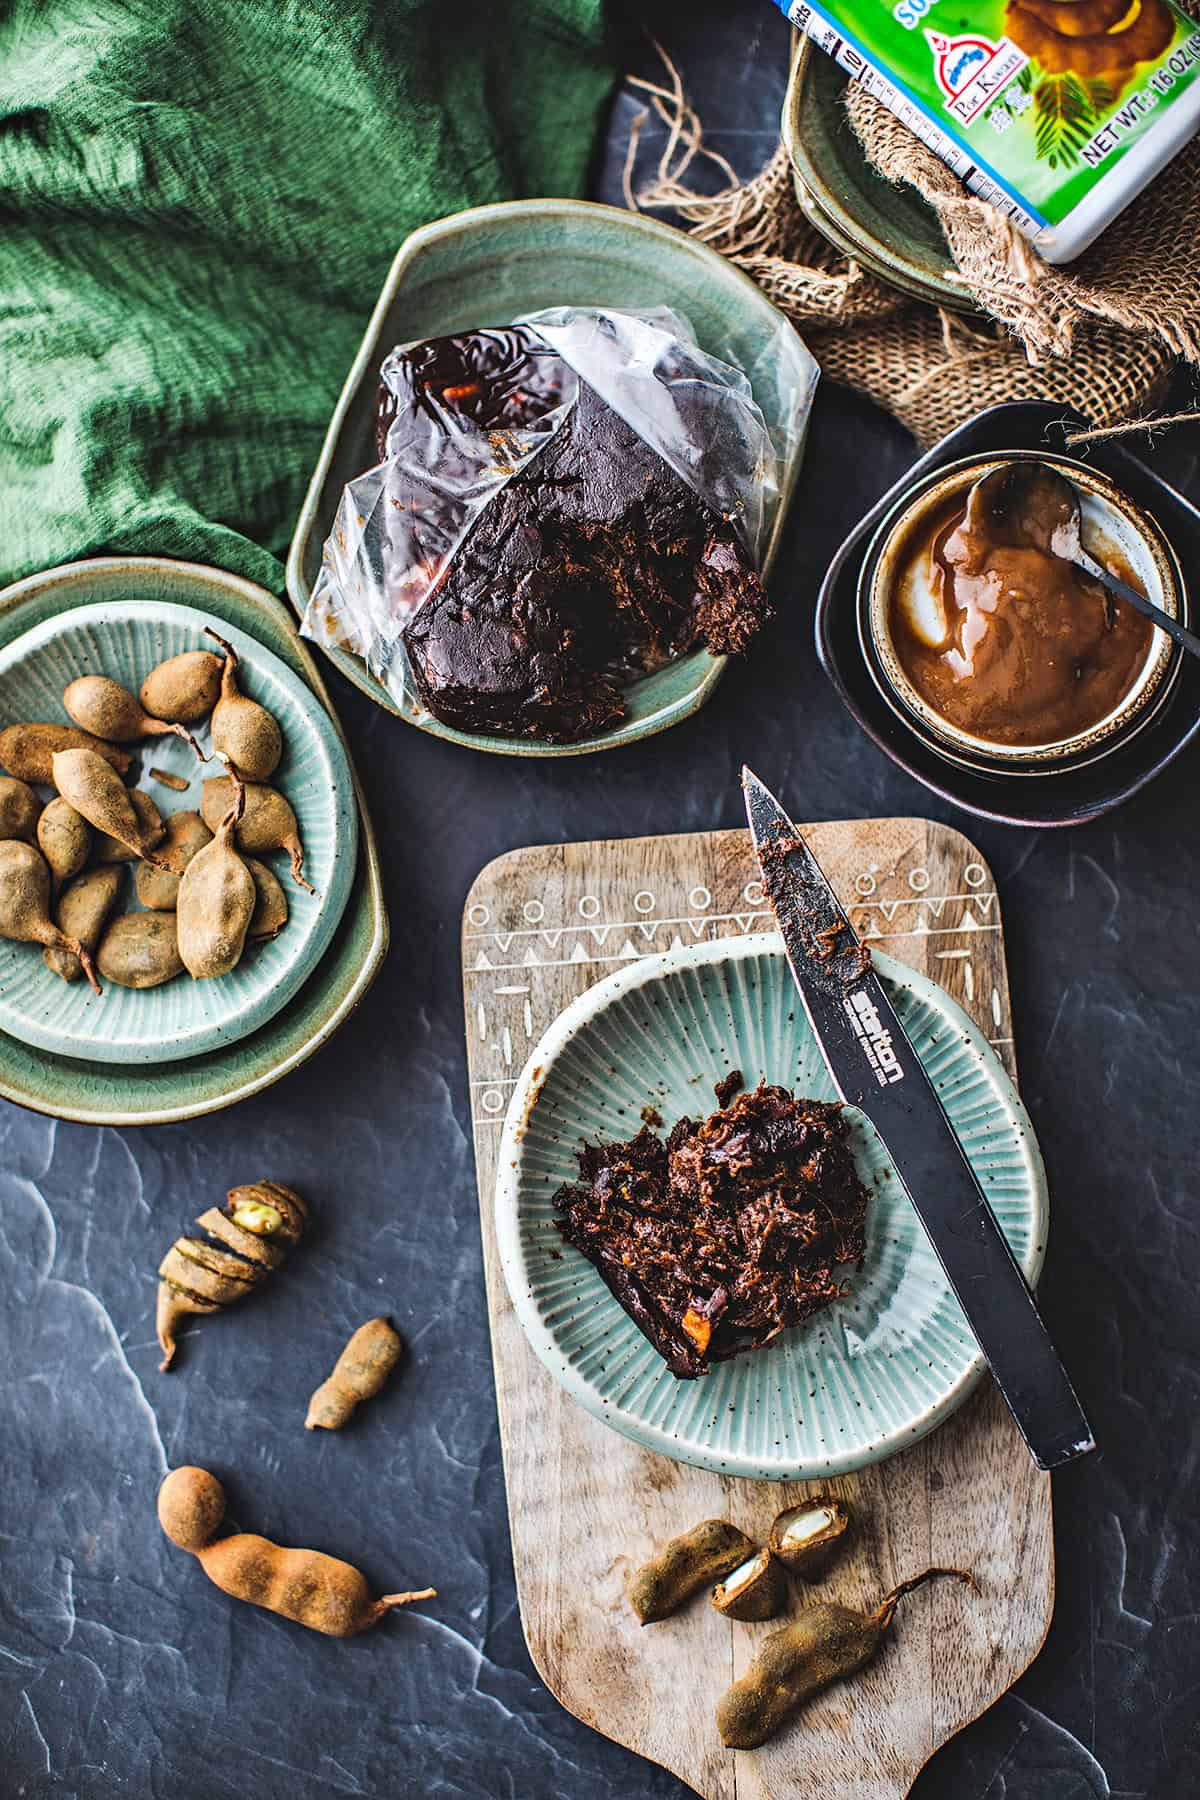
column 183, row 1017
column 490, row 265
column 864, row 1378
column 333, row 982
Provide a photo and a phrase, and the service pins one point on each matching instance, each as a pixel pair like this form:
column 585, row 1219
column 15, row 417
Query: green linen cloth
column 199, row 200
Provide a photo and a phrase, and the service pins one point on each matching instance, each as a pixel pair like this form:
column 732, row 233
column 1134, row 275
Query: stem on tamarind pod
column 886, row 1610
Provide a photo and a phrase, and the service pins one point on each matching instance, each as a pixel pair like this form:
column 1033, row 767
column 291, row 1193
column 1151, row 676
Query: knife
column 874, row 1067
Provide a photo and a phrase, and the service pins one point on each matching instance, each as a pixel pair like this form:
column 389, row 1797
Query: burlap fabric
column 1101, row 335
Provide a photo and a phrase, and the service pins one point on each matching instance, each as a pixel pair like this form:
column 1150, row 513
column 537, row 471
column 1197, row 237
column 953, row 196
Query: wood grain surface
column 586, row 1506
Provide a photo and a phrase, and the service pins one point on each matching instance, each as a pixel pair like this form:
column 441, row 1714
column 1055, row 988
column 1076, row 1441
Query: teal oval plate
column 491, row 264
column 125, row 640
column 864, row 1378
column 146, row 1093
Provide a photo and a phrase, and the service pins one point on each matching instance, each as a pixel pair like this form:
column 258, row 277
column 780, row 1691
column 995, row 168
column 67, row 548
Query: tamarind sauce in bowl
column 1004, row 652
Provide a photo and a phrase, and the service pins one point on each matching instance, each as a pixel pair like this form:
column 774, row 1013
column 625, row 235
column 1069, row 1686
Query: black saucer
column 1072, row 795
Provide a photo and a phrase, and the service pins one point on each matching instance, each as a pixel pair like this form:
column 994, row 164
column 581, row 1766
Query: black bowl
column 1076, row 793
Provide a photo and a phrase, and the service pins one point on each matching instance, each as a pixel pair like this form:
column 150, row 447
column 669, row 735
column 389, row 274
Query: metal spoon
column 1031, row 503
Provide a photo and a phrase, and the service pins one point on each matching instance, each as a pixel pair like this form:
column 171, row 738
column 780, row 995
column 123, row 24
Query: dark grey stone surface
column 123, row 1672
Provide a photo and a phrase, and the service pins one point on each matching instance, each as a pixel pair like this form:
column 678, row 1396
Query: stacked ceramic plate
column 128, row 1055
column 888, row 230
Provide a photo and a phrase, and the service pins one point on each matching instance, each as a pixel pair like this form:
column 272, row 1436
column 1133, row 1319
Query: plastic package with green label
column 1059, row 112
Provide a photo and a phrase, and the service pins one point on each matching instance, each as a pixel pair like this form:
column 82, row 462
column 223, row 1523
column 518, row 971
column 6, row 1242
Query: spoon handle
column 1182, row 636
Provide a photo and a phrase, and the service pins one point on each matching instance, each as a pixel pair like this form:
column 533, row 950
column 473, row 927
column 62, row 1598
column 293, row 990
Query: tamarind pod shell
column 306, row 1586
column 196, row 1269
column 175, row 1303
column 694, row 1560
column 807, row 1538
column 254, row 1248
column 360, row 1371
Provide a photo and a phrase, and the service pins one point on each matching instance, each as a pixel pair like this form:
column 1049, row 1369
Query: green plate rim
column 581, row 1012
column 826, row 213
column 365, row 909
column 477, row 219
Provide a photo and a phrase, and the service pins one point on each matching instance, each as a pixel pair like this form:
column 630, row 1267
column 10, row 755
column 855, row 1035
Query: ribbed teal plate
column 864, row 1378
column 125, row 639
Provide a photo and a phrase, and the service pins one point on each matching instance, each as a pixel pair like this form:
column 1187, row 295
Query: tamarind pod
column 824, row 1644
column 102, row 706
column 27, row 751
column 359, row 1373
column 110, row 849
column 756, row 1589
column 315, row 1590
column 96, row 790
column 184, row 688
column 697, row 1558
column 806, row 1538
column 19, row 812
column 84, row 908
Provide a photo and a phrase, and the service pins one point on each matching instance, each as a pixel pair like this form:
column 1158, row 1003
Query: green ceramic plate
column 491, row 264
column 135, row 1094
column 864, row 1378
column 126, row 639
column 889, row 229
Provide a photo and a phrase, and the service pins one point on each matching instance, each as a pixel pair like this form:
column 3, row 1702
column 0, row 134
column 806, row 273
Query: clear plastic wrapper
column 400, row 524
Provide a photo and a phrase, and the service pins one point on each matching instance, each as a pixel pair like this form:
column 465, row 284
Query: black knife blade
column 875, row 1068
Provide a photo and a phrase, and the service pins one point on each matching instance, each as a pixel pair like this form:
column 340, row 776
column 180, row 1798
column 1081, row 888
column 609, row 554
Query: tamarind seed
column 96, row 791
column 108, row 710
column 25, row 904
column 27, row 751
column 243, row 732
column 84, row 908
column 19, row 809
column 183, row 689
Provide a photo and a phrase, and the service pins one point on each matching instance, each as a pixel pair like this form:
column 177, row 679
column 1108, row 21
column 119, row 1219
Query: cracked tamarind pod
column 706, row 1553
column 312, row 1589
column 756, row 1589
column 259, row 1223
column 807, row 1538
column 822, row 1645
column 359, row 1373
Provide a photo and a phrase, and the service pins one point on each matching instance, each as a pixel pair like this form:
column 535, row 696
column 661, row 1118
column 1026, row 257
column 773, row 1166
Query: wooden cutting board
column 586, row 1506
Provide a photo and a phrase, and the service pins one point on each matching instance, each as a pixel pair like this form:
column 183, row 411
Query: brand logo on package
column 971, row 71
column 875, row 1040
